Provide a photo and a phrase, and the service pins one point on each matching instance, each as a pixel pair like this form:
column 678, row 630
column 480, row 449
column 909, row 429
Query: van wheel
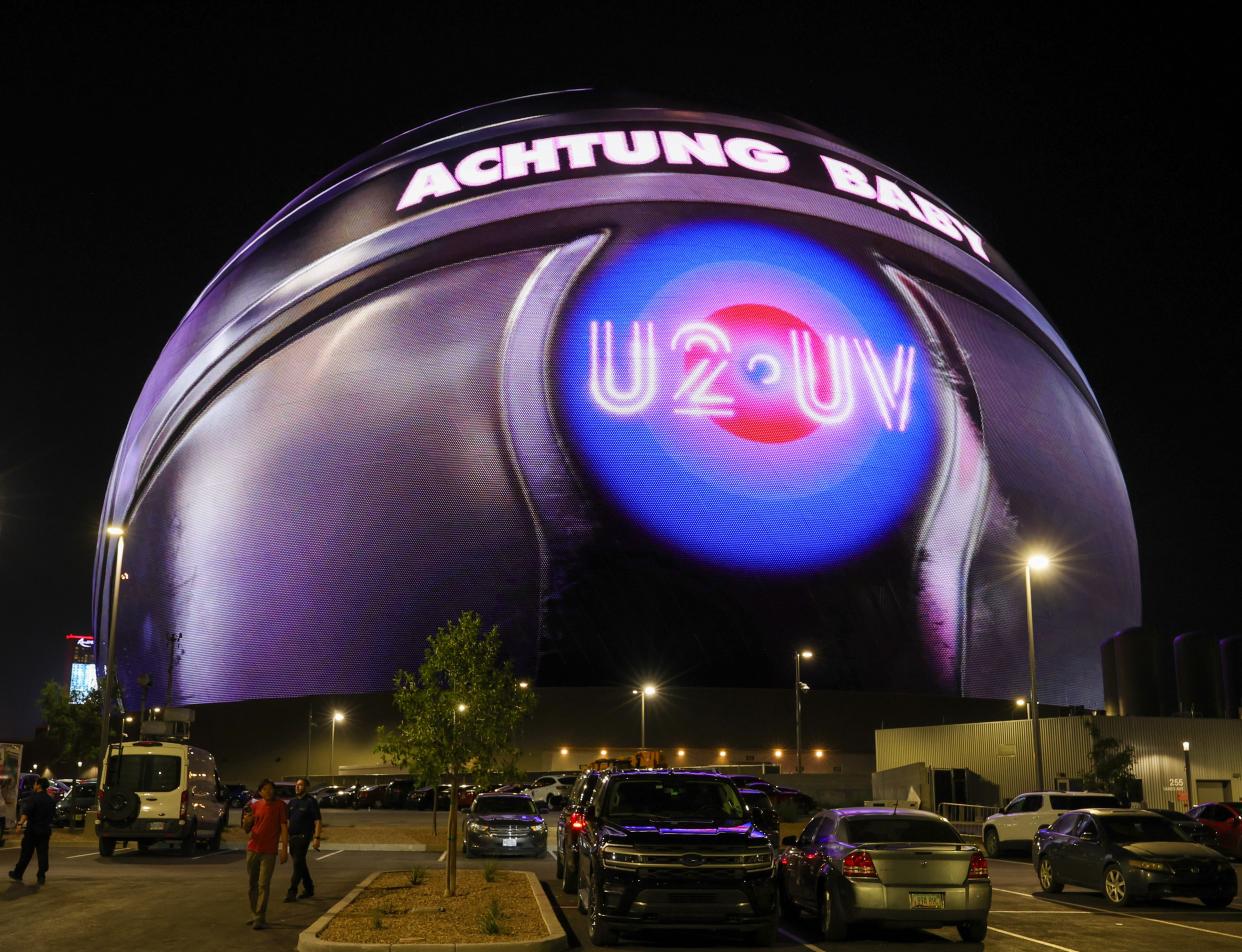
column 107, row 846
column 991, row 843
column 187, row 844
column 213, row 844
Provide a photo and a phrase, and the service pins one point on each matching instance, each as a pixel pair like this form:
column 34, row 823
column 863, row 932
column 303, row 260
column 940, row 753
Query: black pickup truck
column 673, row 849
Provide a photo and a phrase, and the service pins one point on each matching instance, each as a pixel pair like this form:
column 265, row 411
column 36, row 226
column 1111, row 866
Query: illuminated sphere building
column 657, row 391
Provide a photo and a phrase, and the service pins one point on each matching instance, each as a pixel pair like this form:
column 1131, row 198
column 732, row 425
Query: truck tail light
column 858, row 865
column 978, row 867
column 577, row 821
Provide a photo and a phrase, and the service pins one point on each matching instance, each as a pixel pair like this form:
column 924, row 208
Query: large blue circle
column 721, row 499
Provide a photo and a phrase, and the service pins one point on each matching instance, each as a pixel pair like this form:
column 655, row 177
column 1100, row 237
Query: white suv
column 155, row 791
column 551, row 791
column 1016, row 825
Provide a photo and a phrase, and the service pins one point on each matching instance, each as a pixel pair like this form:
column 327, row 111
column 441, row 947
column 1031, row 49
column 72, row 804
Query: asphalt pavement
column 161, row 900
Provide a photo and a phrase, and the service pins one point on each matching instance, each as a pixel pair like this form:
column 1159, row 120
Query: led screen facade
column 661, row 393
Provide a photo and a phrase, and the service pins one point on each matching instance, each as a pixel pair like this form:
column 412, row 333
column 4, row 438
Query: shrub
column 490, row 870
column 377, row 920
column 418, row 876
column 491, row 920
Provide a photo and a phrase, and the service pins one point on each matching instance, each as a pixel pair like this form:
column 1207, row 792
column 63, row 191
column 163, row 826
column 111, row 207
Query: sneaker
column 41, row 878
column 291, row 897
column 259, row 924
column 13, row 876
column 308, row 894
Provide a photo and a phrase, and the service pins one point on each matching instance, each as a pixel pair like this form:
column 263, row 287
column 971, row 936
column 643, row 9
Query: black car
column 366, row 796
column 776, row 794
column 504, row 824
column 569, row 825
column 673, row 849
column 763, row 813
column 1190, row 828
column 82, row 797
column 1130, row 855
column 239, row 794
column 397, row 793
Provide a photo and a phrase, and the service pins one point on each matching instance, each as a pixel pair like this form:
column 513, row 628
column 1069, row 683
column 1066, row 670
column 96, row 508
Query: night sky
column 147, row 143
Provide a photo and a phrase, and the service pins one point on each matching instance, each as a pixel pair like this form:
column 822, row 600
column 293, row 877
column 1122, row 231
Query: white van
column 155, row 791
column 1016, row 825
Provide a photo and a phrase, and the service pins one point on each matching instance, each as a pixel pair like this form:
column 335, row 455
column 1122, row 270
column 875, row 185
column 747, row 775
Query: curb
column 555, row 941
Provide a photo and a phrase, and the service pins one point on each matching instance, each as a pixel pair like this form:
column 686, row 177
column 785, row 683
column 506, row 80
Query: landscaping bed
column 390, row 909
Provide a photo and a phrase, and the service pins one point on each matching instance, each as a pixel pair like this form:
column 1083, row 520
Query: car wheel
column 1116, row 890
column 569, row 877
column 187, row 842
column 598, row 931
column 1048, row 881
column 789, row 910
column 832, row 924
column 991, row 843
column 1217, row 900
column 213, row 844
column 107, row 846
column 975, row 931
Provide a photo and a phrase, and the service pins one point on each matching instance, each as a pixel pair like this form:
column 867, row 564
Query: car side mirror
column 789, row 841
column 1088, row 835
column 1043, row 826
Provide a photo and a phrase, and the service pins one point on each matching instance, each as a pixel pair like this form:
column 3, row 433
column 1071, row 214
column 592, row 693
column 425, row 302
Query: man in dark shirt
column 37, row 814
column 304, row 825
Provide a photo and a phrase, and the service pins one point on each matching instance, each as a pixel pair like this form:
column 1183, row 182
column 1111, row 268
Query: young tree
column 1110, row 763
column 459, row 712
column 72, row 727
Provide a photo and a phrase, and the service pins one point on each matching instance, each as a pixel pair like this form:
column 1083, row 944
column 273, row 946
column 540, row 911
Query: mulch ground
column 391, row 910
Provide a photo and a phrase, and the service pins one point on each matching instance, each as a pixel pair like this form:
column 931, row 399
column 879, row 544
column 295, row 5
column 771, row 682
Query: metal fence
column 967, row 818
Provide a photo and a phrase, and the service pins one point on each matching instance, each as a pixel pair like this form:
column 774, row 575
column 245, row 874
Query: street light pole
column 109, row 685
column 1186, row 753
column 1032, row 705
column 336, row 717
column 648, row 690
column 799, row 687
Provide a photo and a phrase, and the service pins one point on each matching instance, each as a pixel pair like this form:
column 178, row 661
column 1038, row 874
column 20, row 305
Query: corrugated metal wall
column 1000, row 751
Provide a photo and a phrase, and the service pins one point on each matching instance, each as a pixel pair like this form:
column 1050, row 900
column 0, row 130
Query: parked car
column 549, row 792
column 285, row 790
column 670, row 848
column 763, row 813
column 1015, row 826
column 239, row 794
column 25, row 787
column 368, row 796
column 504, row 824
column 1225, row 820
column 82, row 798
column 344, row 796
column 155, row 791
column 569, row 825
column 907, row 867
column 1189, row 827
column 776, row 794
column 1130, row 855
column 396, row 792
column 327, row 796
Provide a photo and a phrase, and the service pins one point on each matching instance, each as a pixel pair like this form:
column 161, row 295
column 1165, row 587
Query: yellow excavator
column 639, row 760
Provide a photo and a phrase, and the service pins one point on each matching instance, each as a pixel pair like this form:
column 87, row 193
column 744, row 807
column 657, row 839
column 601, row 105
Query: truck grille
column 688, row 861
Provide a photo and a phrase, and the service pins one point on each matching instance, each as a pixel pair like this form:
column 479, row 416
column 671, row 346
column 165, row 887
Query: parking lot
column 160, row 899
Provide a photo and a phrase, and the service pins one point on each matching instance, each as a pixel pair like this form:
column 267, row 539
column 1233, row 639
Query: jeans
column 31, row 842
column 259, row 867
column 298, row 845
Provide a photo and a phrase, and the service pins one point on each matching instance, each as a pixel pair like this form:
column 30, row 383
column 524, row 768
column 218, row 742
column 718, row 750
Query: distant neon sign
column 748, row 395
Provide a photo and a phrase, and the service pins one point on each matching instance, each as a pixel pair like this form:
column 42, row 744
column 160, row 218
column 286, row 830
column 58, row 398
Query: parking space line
column 441, row 857
column 1041, row 912
column 793, row 938
column 1118, row 912
column 320, row 859
column 80, row 855
column 1027, row 938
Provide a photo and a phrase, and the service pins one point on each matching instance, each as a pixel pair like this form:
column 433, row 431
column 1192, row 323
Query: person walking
column 305, row 823
column 267, row 822
column 36, row 818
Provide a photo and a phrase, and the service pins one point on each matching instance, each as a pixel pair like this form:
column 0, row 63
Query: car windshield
column 674, row 798
column 503, row 805
column 1140, row 829
column 898, row 829
column 1083, row 802
column 144, row 773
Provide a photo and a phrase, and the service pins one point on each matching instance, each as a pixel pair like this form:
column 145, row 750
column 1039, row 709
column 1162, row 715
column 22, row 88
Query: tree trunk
column 435, row 808
column 451, row 855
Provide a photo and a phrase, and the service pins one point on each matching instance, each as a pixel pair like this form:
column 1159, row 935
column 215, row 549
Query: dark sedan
column 368, row 796
column 1130, row 855
column 904, row 868
column 81, row 798
column 777, row 794
column 504, row 824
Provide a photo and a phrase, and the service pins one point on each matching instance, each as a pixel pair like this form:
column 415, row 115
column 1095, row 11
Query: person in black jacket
column 37, row 814
column 304, row 825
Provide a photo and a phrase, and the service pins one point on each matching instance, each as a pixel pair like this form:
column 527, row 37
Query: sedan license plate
column 509, row 841
column 157, row 825
column 919, row 900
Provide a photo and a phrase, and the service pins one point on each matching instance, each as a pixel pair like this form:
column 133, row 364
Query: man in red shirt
column 267, row 822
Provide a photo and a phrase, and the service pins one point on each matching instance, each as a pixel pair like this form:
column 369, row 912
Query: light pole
column 799, row 687
column 337, row 717
column 109, row 685
column 1186, row 753
column 648, row 690
column 1038, row 563
column 1021, row 702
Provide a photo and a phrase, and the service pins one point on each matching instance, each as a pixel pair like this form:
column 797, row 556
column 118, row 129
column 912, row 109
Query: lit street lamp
column 109, row 685
column 1037, row 562
column 648, row 690
column 1186, row 753
column 799, row 687
column 1021, row 702
column 337, row 717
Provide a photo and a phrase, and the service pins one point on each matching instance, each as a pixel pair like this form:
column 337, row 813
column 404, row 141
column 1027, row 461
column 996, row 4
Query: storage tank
column 1231, row 674
column 1196, row 658
column 1145, row 682
column 1108, row 668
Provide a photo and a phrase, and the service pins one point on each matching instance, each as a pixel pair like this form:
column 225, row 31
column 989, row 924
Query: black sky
column 147, row 142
